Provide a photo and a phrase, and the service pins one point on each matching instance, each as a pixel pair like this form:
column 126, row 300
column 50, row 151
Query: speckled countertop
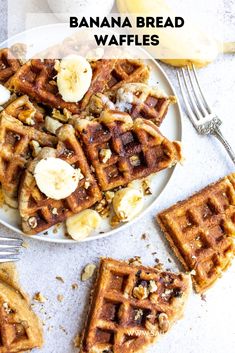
column 208, row 326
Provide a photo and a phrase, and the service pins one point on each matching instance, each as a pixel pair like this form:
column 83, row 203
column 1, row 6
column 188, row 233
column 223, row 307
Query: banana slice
column 73, row 78
column 82, row 224
column 56, row 178
column 127, row 203
column 4, row 95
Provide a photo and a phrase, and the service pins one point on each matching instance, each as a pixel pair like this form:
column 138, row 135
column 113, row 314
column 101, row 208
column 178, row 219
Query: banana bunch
column 182, row 46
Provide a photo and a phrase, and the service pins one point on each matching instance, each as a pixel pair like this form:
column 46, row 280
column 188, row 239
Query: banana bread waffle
column 121, row 150
column 8, row 65
column 132, row 306
column 36, row 78
column 143, row 101
column 137, row 99
column 16, row 149
column 200, row 231
column 39, row 212
column 20, row 329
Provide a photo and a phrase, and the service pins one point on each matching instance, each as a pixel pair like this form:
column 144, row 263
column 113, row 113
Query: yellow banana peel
column 184, row 47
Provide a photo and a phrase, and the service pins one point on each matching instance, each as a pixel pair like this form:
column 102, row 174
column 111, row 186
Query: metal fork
column 9, row 249
column 203, row 118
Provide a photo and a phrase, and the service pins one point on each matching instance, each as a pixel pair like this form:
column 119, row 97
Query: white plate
column 37, row 39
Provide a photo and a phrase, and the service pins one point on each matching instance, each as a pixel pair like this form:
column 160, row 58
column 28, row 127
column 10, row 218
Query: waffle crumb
column 60, row 279
column 60, row 298
column 38, row 297
column 88, row 272
column 74, row 286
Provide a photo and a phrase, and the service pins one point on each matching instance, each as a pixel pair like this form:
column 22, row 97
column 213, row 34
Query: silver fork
column 203, row 118
column 9, row 249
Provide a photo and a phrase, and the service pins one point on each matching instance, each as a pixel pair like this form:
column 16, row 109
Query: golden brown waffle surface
column 200, row 231
column 121, row 150
column 8, row 65
column 132, row 306
column 16, row 151
column 39, row 212
column 20, row 329
column 37, row 79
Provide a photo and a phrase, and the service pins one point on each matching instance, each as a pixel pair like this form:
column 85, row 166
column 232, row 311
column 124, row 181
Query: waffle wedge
column 200, row 231
column 121, row 150
column 8, row 65
column 39, row 212
column 37, row 79
column 16, row 149
column 20, row 328
column 132, row 306
column 137, row 99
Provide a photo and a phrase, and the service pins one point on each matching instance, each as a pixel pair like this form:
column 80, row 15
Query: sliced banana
column 4, row 95
column 127, row 203
column 82, row 224
column 73, row 78
column 56, row 178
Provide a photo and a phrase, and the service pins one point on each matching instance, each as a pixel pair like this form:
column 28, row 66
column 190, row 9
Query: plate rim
column 148, row 209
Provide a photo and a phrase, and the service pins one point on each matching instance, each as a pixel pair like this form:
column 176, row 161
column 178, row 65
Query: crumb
column 169, row 260
column 60, row 298
column 136, row 261
column 88, row 272
column 74, row 286
column 25, row 245
column 38, row 297
column 77, row 341
column 203, row 297
column 63, row 329
column 59, row 278
column 144, row 236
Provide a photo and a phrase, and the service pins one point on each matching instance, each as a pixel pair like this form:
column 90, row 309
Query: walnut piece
column 140, row 292
column 163, row 322
column 88, row 272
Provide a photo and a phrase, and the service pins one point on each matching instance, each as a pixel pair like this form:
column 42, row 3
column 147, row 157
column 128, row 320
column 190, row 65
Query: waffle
column 137, row 99
column 20, row 329
column 143, row 101
column 36, row 78
column 39, row 212
column 200, row 231
column 27, row 112
column 121, row 150
column 132, row 306
column 16, row 146
column 8, row 65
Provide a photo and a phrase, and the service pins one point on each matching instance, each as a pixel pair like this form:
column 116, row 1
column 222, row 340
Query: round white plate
column 38, row 39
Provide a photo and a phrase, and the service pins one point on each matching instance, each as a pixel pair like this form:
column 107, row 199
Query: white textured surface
column 207, row 326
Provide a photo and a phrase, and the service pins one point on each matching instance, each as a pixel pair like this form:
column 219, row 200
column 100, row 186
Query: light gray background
column 207, row 326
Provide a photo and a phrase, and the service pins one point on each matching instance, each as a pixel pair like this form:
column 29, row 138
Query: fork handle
column 218, row 134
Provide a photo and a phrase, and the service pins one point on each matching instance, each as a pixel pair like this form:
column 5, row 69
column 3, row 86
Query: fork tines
column 9, row 249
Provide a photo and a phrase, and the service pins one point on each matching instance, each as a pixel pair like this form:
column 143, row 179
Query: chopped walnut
column 32, row 221
column 56, row 114
column 138, row 314
column 35, row 148
column 146, row 187
column 38, row 297
column 60, row 298
column 115, row 221
column 30, row 121
column 109, row 195
column 87, row 184
column 140, row 292
column 52, row 125
column 163, row 322
column 105, row 154
column 135, row 261
column 6, row 308
column 74, row 286
column 135, row 161
column 152, row 286
column 54, row 211
column 88, row 272
column 103, row 208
